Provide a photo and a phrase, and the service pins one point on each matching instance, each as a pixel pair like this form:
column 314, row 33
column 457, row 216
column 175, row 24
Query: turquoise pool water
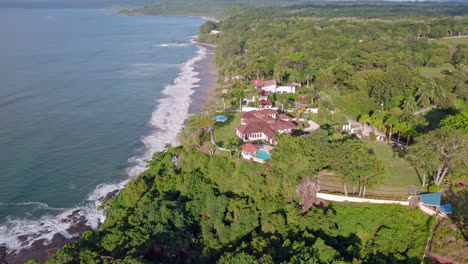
column 221, row 118
column 261, row 154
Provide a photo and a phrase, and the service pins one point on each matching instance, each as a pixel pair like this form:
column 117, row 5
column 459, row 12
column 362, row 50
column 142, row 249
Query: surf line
column 167, row 119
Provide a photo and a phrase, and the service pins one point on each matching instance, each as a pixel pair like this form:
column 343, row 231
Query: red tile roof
column 260, row 121
column 283, row 117
column 265, row 102
column 249, row 148
column 258, row 83
column 263, row 92
column 269, row 83
column 264, row 112
column 440, row 260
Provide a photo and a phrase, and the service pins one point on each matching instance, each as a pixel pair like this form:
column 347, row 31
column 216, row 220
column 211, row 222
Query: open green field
column 452, row 43
column 440, row 71
column 399, row 175
column 399, row 172
column 225, row 130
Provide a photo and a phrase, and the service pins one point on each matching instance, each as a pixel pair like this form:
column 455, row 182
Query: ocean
column 86, row 97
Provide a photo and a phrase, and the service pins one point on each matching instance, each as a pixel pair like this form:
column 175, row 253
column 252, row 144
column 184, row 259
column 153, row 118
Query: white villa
column 272, row 87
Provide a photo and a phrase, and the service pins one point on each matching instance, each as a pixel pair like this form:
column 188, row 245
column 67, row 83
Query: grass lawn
column 399, row 175
column 452, row 43
column 399, row 172
column 225, row 130
column 436, row 71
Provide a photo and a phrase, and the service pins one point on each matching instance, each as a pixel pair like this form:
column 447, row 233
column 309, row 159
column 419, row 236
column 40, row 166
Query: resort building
column 263, row 125
column 271, row 86
column 262, row 94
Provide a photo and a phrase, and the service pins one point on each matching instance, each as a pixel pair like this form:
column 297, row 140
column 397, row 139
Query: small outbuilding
column 432, row 201
column 249, row 150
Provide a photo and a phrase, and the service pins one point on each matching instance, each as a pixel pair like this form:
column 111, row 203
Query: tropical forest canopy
column 191, row 207
column 385, row 64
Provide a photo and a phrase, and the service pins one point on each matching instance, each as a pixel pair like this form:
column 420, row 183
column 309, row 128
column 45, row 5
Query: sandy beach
column 208, row 75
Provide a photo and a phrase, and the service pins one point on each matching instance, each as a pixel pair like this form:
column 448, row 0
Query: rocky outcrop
column 42, row 249
column 308, row 189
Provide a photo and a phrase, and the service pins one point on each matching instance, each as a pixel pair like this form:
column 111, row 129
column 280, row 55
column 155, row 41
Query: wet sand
column 208, row 75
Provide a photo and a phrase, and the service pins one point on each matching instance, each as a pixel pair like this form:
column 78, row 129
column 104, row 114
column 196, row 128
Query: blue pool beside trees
column 262, row 154
column 221, row 118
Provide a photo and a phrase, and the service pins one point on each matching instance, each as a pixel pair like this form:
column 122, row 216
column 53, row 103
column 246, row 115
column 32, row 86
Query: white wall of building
column 286, row 89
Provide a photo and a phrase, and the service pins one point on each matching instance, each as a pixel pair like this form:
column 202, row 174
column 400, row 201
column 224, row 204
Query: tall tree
column 357, row 164
column 440, row 151
column 391, row 122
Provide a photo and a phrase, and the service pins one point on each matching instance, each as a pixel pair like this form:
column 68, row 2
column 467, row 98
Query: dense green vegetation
column 373, row 59
column 212, row 8
column 373, row 62
column 190, row 207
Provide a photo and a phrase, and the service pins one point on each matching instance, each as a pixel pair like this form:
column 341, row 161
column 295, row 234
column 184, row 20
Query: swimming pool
column 261, row 154
column 221, row 118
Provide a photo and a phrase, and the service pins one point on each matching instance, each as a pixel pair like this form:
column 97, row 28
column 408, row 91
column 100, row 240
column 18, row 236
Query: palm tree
column 295, row 76
column 401, row 127
column 430, row 92
column 391, row 121
column 410, row 105
column 439, row 94
column 211, row 148
column 377, row 123
column 232, row 145
column 364, row 119
column 426, row 94
column 409, row 132
column 280, row 72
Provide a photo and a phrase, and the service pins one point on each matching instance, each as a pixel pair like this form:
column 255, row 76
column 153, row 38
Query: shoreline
column 204, row 92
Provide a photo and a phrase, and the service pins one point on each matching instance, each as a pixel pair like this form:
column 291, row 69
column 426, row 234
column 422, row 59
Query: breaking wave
column 167, row 119
column 21, row 233
column 169, row 115
column 174, row 44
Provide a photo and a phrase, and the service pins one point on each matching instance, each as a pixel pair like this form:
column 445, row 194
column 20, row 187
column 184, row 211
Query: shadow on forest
column 434, row 117
column 459, row 201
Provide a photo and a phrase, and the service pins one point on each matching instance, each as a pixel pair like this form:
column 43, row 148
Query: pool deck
column 265, row 148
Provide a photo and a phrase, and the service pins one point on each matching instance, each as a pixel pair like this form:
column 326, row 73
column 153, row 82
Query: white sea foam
column 169, row 115
column 173, row 44
column 47, row 226
column 167, row 119
column 36, row 204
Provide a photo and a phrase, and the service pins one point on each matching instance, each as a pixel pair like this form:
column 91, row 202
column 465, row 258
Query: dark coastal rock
column 108, row 196
column 39, row 250
column 3, row 255
column 42, row 250
column 78, row 229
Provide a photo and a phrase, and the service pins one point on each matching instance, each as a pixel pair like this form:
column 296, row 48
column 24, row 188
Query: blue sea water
column 85, row 98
